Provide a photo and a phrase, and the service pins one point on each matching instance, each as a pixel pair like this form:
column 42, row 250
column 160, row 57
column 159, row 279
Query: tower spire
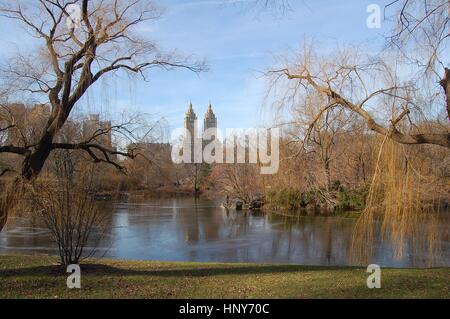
column 209, row 111
column 190, row 110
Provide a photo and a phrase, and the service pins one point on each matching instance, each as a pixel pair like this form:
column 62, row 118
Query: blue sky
column 238, row 45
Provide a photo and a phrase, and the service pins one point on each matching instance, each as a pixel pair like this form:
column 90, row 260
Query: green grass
column 37, row 276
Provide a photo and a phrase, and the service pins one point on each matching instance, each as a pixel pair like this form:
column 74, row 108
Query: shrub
column 72, row 218
column 284, row 198
column 351, row 200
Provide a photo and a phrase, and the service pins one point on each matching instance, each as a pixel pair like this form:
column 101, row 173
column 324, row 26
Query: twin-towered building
column 190, row 120
column 190, row 124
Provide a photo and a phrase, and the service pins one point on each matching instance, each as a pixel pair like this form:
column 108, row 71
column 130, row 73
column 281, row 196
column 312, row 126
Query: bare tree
column 318, row 135
column 241, row 181
column 75, row 55
column 368, row 87
column 420, row 37
column 82, row 42
column 422, row 33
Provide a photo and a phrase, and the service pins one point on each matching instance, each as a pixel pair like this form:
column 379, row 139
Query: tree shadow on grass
column 170, row 271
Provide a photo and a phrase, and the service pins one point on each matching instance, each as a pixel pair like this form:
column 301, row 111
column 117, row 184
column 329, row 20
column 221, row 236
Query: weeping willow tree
column 402, row 95
column 403, row 205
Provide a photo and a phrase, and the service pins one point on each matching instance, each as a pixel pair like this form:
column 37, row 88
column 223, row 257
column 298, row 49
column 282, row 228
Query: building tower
column 190, row 124
column 93, row 126
column 210, row 122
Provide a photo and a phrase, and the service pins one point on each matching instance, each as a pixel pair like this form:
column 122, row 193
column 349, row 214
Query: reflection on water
column 187, row 229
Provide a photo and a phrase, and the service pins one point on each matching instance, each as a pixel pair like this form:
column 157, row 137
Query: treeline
column 334, row 170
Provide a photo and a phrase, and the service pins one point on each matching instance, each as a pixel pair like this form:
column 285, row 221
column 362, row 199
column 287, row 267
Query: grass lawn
column 30, row 276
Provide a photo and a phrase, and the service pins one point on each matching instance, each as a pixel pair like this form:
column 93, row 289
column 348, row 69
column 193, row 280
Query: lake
column 189, row 229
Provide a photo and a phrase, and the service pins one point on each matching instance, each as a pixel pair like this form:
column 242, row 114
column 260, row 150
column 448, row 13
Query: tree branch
column 428, row 138
column 15, row 150
column 91, row 147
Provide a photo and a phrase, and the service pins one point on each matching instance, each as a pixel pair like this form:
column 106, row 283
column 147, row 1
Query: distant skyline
column 238, row 45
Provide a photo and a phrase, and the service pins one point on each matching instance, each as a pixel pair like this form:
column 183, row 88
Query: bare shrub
column 72, row 217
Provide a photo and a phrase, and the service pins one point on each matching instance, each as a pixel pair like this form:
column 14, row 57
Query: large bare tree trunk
column 33, row 164
column 445, row 83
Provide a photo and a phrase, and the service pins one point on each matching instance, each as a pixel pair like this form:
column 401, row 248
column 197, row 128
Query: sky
column 238, row 42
